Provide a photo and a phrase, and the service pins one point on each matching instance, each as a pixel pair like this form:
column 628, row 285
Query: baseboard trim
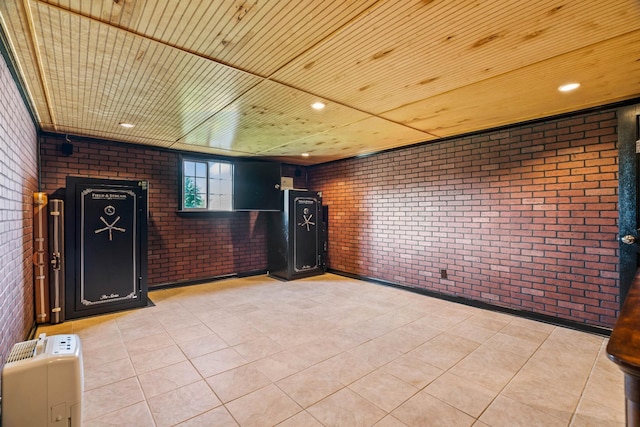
column 598, row 330
column 32, row 332
column 200, row 281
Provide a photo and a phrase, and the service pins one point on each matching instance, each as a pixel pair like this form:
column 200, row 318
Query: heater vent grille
column 22, row 350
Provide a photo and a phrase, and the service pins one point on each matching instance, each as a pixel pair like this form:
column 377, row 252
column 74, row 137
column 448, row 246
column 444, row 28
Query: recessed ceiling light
column 569, row 87
column 127, row 125
column 318, row 105
column 305, row 154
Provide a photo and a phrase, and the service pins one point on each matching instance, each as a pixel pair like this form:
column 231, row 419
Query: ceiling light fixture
column 127, row 125
column 569, row 87
column 318, row 105
column 305, row 154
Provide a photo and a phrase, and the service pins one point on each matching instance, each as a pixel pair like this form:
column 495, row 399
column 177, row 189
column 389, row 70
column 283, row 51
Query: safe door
column 306, row 250
column 106, row 263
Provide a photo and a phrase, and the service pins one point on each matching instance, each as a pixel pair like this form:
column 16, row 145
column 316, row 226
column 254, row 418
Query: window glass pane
column 226, row 187
column 220, row 185
column 214, row 186
column 214, row 170
column 214, row 202
column 225, row 202
column 201, row 170
column 192, row 198
column 225, row 170
column 201, row 185
column 189, row 168
column 201, row 201
column 188, row 185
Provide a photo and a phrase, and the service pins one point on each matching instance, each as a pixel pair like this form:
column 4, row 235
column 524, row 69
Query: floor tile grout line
column 584, row 387
column 512, row 377
column 134, row 376
column 451, row 367
column 574, row 412
column 86, row 327
column 202, row 378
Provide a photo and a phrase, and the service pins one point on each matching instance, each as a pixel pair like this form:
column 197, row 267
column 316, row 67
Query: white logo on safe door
column 110, row 227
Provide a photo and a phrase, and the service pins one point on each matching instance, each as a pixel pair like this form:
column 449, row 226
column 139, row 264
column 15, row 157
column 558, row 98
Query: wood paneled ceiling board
column 407, row 51
column 236, row 77
column 100, row 76
column 208, row 150
column 255, row 36
column 269, row 115
column 532, row 90
column 351, row 140
column 16, row 27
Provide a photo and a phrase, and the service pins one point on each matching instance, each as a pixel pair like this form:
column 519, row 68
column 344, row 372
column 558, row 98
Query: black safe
column 106, row 246
column 296, row 238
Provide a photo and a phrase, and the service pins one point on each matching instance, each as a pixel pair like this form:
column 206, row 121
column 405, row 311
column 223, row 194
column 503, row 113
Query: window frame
column 208, row 161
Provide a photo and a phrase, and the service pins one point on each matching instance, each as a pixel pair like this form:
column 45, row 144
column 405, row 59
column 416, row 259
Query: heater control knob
column 628, row 239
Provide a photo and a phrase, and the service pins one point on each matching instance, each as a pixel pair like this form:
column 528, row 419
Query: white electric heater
column 42, row 383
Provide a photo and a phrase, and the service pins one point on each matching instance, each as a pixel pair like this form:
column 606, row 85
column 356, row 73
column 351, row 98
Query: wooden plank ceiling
column 237, row 78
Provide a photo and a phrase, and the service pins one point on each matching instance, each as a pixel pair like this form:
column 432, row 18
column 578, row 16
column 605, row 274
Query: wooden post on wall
column 40, row 257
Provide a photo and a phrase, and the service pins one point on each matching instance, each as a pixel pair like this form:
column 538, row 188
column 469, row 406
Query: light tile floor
column 332, row 351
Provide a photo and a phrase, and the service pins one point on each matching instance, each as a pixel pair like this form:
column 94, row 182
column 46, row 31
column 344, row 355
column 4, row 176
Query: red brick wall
column 179, row 248
column 18, row 182
column 524, row 218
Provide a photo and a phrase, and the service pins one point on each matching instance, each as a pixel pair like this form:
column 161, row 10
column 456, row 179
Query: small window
column 207, row 185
